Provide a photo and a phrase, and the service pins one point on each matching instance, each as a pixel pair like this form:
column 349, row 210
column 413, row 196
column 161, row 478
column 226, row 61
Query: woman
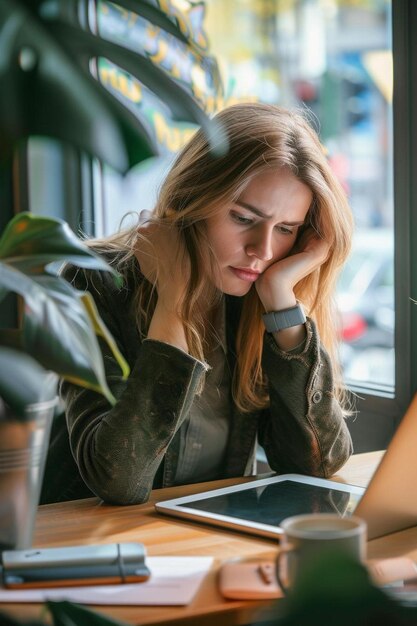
column 211, row 318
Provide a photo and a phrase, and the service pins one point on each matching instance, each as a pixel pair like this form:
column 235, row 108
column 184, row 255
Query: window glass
column 332, row 58
column 45, row 164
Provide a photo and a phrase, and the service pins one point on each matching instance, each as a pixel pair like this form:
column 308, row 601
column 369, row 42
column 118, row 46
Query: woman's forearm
column 304, row 429
column 118, row 449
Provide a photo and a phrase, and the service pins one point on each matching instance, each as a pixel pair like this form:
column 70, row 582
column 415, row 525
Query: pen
column 266, row 572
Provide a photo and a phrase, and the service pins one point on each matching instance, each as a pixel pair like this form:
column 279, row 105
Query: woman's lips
column 245, row 274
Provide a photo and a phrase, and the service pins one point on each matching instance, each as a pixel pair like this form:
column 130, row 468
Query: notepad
column 174, row 581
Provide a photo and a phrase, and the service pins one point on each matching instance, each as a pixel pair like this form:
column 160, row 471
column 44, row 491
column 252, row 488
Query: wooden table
column 90, row 521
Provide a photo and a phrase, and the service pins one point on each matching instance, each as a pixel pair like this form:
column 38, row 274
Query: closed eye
column 240, row 219
column 285, row 230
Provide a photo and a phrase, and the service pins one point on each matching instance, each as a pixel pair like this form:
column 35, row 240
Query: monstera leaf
column 47, row 88
column 60, row 323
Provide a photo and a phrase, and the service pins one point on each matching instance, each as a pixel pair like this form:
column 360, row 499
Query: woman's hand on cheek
column 275, row 286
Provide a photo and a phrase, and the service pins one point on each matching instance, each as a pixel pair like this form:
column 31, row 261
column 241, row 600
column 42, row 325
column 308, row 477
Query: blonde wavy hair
column 199, row 185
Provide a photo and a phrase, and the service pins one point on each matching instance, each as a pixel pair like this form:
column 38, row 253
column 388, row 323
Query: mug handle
column 283, row 551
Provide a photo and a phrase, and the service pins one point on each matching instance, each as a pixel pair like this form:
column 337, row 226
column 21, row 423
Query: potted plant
column 56, row 337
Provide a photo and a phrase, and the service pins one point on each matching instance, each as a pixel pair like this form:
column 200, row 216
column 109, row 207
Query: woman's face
column 257, row 230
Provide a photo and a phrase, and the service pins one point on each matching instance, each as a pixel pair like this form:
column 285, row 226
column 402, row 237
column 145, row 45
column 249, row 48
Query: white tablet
column 259, row 506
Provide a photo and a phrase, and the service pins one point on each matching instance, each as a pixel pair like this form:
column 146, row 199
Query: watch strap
column 278, row 320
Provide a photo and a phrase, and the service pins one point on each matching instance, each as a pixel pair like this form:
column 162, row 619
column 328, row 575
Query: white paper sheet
column 174, row 581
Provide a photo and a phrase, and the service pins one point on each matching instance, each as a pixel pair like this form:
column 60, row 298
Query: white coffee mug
column 306, row 537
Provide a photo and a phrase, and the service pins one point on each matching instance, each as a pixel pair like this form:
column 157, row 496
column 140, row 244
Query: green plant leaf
column 47, row 89
column 66, row 613
column 141, row 7
column 60, row 322
column 157, row 17
column 182, row 104
column 335, row 589
column 30, row 243
column 23, row 381
column 101, row 331
column 56, row 330
column 69, row 346
column 45, row 92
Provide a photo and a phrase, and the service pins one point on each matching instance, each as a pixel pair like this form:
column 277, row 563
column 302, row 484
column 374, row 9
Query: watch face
column 278, row 320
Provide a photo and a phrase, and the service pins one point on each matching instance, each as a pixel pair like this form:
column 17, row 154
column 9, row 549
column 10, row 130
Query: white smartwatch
column 278, row 320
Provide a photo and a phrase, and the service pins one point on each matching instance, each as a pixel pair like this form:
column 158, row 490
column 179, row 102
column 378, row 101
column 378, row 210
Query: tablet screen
column 270, row 504
column 259, row 506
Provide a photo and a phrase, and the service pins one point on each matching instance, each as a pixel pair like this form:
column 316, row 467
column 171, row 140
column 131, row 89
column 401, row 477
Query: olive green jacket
column 123, row 452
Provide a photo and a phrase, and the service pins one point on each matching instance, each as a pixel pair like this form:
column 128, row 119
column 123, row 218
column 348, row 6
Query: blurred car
column 365, row 299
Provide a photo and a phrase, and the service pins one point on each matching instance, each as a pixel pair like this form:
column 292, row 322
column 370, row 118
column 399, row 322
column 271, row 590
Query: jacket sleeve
column 304, row 429
column 118, row 449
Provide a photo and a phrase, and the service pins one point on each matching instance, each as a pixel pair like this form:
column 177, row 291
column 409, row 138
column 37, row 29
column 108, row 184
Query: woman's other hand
column 163, row 260
column 275, row 286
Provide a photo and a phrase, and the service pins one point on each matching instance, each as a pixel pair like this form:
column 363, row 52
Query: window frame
column 379, row 412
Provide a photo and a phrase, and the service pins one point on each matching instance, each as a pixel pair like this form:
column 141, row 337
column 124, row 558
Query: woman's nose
column 260, row 246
